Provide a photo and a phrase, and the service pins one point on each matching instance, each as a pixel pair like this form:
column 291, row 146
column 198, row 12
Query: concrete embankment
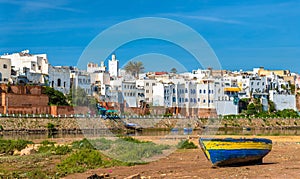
column 40, row 125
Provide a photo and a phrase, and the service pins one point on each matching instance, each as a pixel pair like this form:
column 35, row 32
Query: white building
column 59, row 78
column 81, row 79
column 130, row 93
column 24, row 62
column 5, row 70
column 113, row 66
column 283, row 101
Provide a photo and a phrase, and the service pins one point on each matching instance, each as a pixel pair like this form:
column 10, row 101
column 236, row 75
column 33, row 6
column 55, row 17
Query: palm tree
column 134, row 68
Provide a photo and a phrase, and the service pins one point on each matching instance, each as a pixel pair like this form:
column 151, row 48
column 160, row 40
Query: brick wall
column 20, row 100
column 68, row 110
column 29, row 110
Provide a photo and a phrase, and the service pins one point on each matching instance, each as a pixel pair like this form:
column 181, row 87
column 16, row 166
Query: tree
column 271, row 106
column 134, row 68
column 251, row 110
column 55, row 97
column 173, row 70
column 78, row 97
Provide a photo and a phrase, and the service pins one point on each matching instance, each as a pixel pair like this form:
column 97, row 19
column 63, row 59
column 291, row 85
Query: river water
column 250, row 132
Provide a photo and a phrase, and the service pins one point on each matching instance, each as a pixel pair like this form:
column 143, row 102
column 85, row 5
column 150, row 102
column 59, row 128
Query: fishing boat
column 229, row 151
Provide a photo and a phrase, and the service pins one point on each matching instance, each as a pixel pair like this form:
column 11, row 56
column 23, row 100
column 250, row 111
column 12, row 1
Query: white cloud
column 32, row 5
column 205, row 18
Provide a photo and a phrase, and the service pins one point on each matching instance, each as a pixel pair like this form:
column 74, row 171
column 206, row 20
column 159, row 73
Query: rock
column 95, row 176
column 16, row 152
column 27, row 151
column 136, row 176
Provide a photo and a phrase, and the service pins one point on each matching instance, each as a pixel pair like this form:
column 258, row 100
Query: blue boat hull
column 223, row 152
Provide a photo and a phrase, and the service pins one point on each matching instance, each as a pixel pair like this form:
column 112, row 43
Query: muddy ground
column 282, row 162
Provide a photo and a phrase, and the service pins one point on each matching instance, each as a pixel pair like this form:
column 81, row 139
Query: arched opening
column 58, row 82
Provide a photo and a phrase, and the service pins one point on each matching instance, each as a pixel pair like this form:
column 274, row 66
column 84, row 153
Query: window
column 147, row 84
column 39, row 67
column 52, row 84
column 204, row 91
column 186, row 100
column 153, row 84
column 4, row 66
column 200, row 91
column 186, row 91
column 198, row 99
column 257, row 83
column 174, row 99
column 64, row 84
column 58, row 82
column 147, row 91
column 204, row 101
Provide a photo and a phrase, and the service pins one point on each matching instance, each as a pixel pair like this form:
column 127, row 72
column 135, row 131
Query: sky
column 243, row 34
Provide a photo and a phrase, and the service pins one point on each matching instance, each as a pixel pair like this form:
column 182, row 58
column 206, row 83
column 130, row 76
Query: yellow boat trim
column 232, row 89
column 218, row 145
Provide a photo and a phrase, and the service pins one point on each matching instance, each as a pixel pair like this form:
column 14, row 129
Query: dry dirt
column 282, row 162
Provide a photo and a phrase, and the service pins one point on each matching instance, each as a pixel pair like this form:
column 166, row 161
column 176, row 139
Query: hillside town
column 199, row 93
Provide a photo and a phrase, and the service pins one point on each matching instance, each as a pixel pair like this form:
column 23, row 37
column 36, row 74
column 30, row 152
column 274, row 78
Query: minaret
column 113, row 66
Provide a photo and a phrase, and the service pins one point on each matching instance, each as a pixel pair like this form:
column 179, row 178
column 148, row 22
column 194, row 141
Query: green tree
column 251, row 110
column 55, row 97
column 134, row 68
column 78, row 97
column 271, row 106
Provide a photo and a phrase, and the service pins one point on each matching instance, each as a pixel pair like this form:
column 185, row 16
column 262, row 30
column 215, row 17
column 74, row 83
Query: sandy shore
column 282, row 162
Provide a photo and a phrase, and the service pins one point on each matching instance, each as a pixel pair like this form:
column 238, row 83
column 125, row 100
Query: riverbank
column 282, row 162
column 90, row 125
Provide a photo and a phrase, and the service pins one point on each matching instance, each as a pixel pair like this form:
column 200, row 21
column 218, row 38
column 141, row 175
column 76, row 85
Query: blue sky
column 243, row 34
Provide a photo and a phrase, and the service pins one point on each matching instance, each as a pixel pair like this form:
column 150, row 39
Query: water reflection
column 175, row 131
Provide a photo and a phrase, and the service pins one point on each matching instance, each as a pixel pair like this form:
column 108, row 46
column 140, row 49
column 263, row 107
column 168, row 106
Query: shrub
column 80, row 161
column 49, row 147
column 185, row 144
column 82, row 144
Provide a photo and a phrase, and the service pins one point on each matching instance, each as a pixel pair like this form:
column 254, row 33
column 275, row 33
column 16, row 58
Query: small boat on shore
column 229, row 151
column 132, row 126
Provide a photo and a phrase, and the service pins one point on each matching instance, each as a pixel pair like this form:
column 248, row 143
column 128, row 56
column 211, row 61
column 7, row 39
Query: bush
column 185, row 144
column 82, row 144
column 62, row 150
column 80, row 161
column 49, row 147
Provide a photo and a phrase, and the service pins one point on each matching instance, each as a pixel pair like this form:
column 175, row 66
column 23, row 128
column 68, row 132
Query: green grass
column 53, row 161
column 49, row 147
column 80, row 161
column 128, row 149
column 9, row 146
column 185, row 144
